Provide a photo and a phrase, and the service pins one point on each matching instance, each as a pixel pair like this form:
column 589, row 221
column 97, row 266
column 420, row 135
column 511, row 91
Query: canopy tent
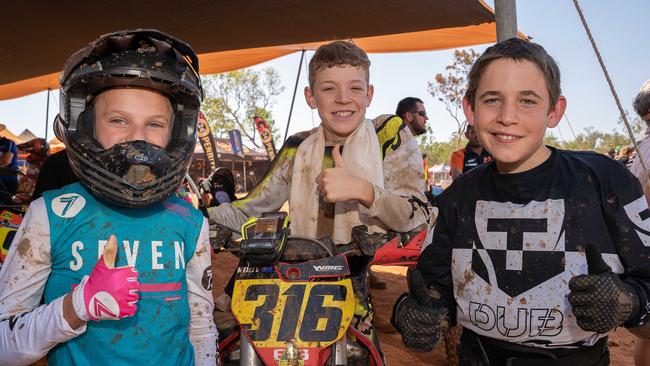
column 55, row 145
column 27, row 135
column 224, row 151
column 4, row 132
column 228, row 35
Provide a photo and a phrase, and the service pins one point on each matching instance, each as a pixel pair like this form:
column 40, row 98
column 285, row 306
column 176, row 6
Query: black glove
column 204, row 186
column 601, row 301
column 419, row 320
column 220, row 236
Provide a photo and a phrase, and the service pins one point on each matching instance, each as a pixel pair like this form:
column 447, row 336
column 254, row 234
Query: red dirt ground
column 621, row 342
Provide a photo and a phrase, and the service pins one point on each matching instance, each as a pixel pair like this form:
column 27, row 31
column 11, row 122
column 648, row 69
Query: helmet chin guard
column 134, row 173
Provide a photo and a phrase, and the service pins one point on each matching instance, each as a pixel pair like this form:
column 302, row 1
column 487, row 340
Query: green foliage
column 449, row 88
column 234, row 98
column 637, row 124
column 439, row 152
column 590, row 140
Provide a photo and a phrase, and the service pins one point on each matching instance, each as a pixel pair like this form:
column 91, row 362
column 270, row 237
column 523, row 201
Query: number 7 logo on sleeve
column 68, row 205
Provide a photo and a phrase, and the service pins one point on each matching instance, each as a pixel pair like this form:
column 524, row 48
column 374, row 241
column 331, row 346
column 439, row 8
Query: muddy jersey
column 397, row 205
column 158, row 240
column 506, row 245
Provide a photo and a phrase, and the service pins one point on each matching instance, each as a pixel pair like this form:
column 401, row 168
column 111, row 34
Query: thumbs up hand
column 418, row 317
column 601, row 301
column 109, row 293
column 341, row 184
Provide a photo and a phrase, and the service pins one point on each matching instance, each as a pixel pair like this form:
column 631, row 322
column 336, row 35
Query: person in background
column 611, row 153
column 469, row 157
column 411, row 110
column 218, row 188
column 642, row 107
column 624, row 154
column 9, row 160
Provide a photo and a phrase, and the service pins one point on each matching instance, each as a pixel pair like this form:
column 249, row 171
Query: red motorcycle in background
column 13, row 207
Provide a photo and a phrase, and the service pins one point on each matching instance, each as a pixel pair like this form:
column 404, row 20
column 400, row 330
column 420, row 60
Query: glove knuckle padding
column 603, row 303
column 580, row 283
column 420, row 326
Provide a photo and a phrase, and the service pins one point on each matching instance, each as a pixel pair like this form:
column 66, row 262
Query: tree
column 551, row 140
column 637, row 124
column 589, row 140
column 450, row 87
column 234, row 98
column 439, row 152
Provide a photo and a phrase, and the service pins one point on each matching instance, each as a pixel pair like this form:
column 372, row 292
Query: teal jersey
column 158, row 241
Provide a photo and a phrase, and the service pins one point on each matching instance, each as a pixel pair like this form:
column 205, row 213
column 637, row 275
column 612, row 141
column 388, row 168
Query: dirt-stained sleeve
column 628, row 222
column 435, row 260
column 268, row 195
column 28, row 331
column 203, row 331
column 400, row 204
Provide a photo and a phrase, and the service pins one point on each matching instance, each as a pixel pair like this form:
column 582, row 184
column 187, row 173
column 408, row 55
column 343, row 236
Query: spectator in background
column 642, row 108
column 469, row 157
column 9, row 160
column 611, row 153
column 411, row 111
column 218, row 188
column 624, row 155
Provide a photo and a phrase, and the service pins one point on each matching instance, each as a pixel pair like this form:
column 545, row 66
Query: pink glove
column 109, row 293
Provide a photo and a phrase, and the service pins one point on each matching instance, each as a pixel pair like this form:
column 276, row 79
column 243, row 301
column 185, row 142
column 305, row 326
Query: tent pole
column 245, row 188
column 293, row 99
column 611, row 88
column 506, row 19
column 47, row 112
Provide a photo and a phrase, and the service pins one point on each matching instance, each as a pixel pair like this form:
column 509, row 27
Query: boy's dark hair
column 408, row 104
column 338, row 53
column 516, row 49
column 642, row 101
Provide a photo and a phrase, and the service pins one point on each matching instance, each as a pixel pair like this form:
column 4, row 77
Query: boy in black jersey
column 540, row 253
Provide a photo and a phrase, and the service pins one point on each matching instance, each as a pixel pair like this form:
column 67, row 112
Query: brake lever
column 369, row 243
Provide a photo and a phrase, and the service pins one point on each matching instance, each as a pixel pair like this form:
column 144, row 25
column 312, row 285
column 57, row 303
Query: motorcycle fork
column 247, row 354
column 340, row 352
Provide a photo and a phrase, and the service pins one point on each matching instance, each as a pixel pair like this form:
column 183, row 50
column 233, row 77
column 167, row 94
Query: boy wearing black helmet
column 129, row 106
column 218, row 188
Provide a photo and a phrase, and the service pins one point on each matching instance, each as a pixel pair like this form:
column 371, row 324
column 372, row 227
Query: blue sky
column 618, row 27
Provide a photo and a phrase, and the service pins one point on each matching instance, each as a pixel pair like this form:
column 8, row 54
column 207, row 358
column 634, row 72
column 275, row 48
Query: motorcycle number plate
column 273, row 312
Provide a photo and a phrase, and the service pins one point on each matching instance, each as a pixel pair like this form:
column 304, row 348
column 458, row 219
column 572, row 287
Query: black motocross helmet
column 134, row 173
column 222, row 179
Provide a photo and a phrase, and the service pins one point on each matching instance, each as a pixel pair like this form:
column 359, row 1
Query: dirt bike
column 10, row 218
column 294, row 299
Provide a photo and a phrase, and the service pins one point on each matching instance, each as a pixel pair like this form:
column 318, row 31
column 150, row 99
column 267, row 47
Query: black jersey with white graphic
column 506, row 245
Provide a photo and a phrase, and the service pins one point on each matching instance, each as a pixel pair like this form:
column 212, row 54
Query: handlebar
column 301, row 248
